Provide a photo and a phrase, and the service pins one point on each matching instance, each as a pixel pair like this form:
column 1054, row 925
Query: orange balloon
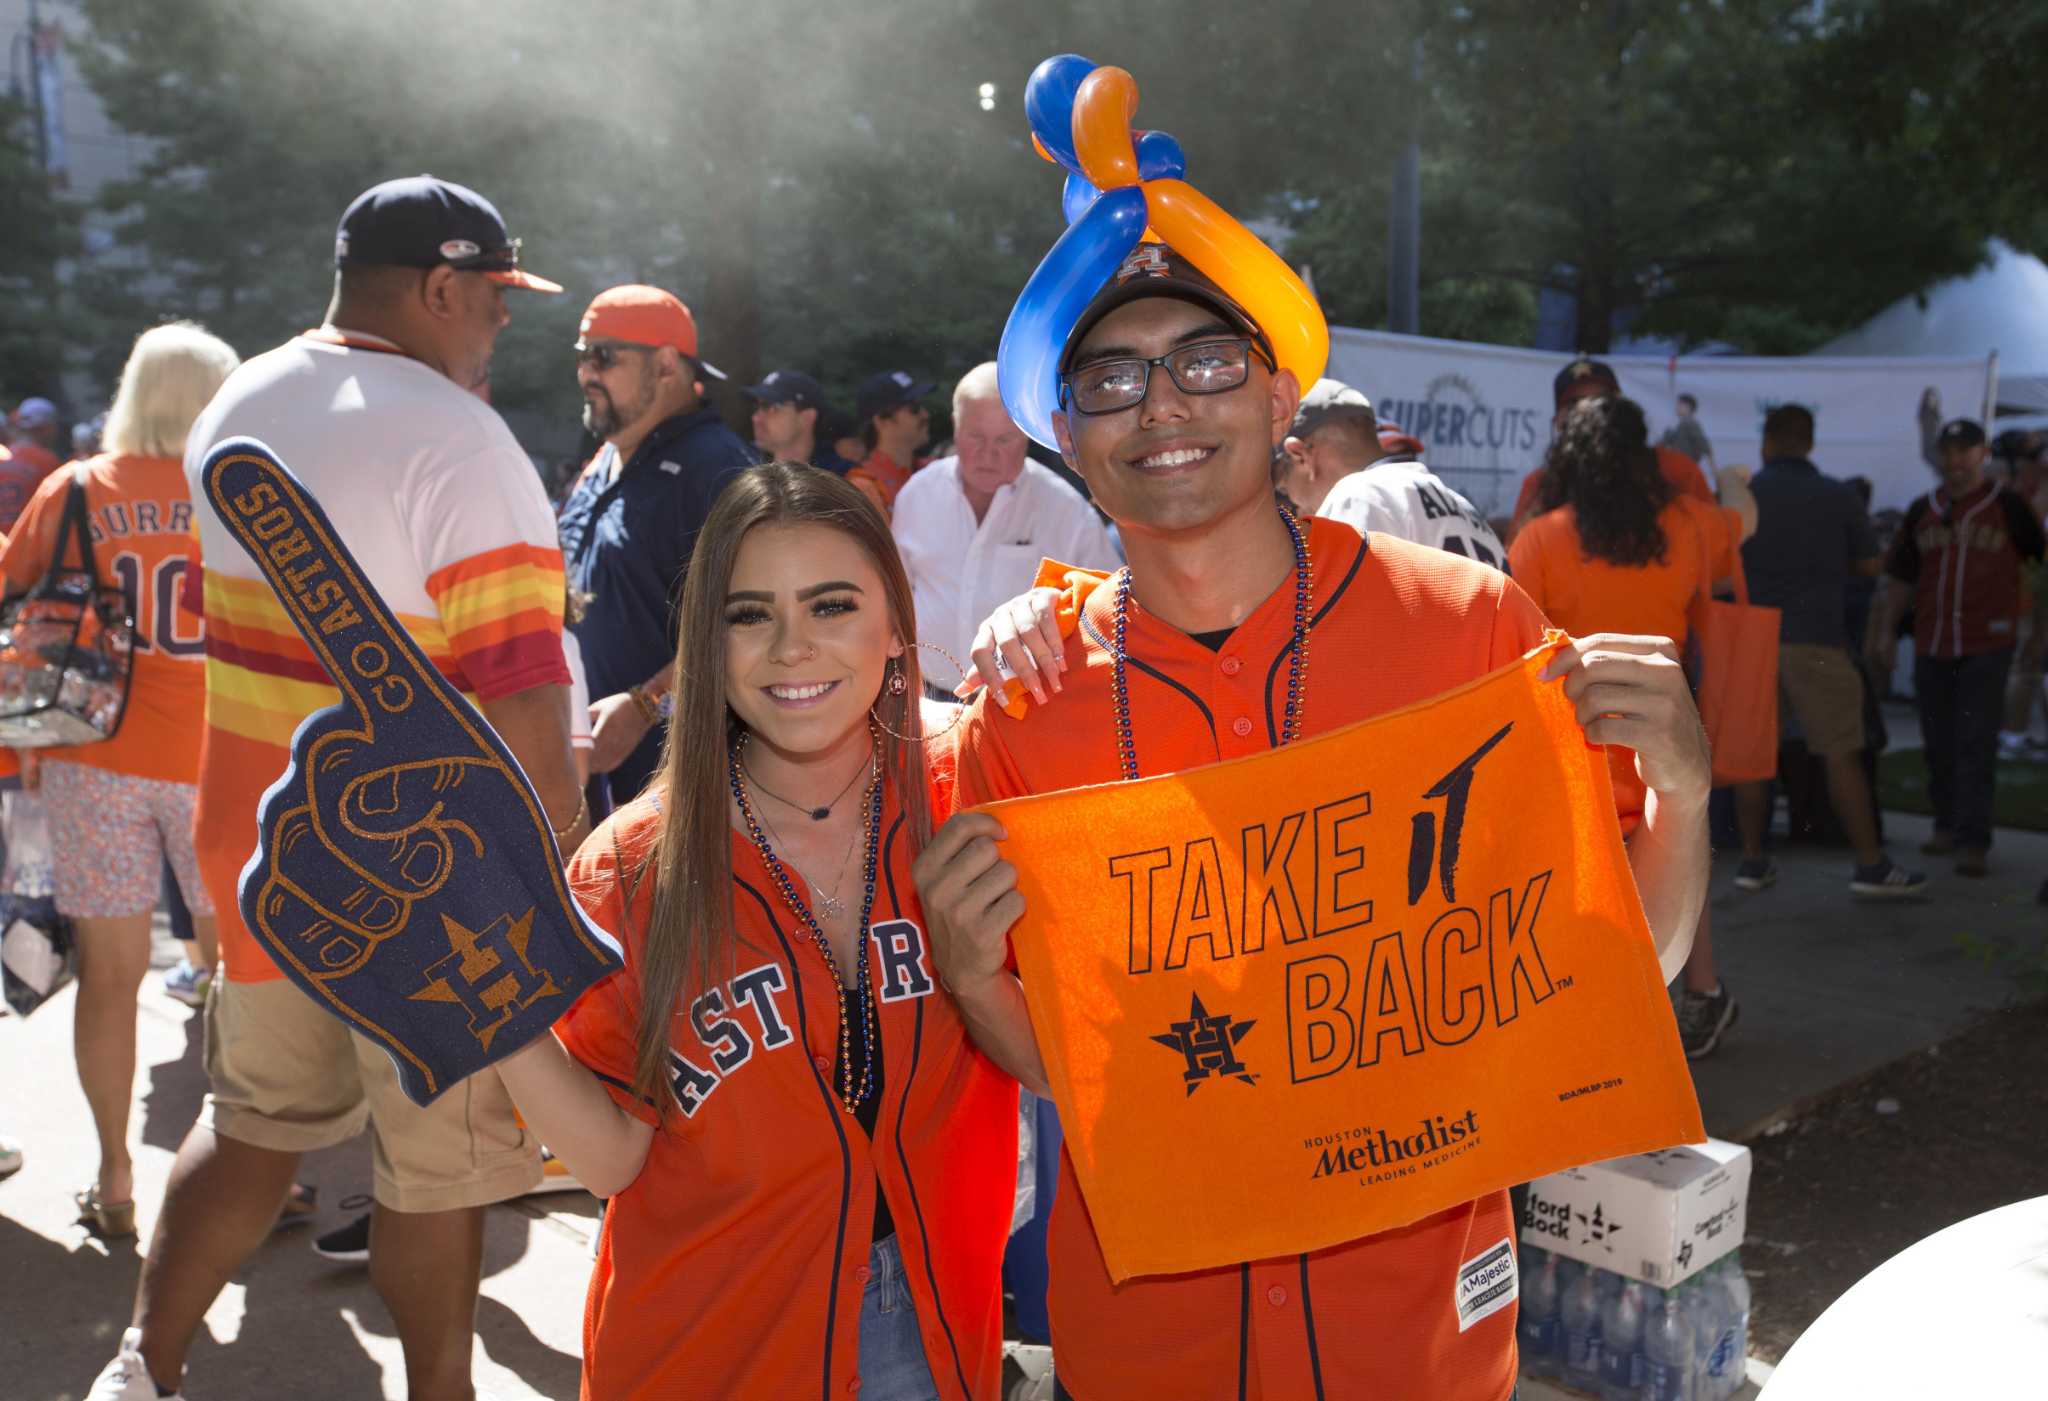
column 1104, row 106
column 1256, row 277
column 1151, row 235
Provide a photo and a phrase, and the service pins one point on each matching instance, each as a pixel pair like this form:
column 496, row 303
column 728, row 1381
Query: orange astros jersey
column 1393, row 624
column 733, row 1266
column 141, row 523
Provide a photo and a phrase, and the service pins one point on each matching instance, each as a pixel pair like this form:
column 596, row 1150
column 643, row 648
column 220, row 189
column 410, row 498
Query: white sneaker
column 10, row 1157
column 127, row 1376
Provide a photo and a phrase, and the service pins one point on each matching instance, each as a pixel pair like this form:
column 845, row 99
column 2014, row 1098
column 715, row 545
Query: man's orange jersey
column 880, row 478
column 1680, row 473
column 1393, row 624
column 141, row 522
column 735, row 1262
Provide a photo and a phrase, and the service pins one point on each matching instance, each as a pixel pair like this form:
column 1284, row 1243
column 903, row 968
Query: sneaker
column 127, row 1376
column 1888, row 880
column 554, row 1175
column 348, row 1245
column 1760, row 873
column 188, row 983
column 10, row 1157
column 1703, row 1017
column 1940, row 844
column 1973, row 861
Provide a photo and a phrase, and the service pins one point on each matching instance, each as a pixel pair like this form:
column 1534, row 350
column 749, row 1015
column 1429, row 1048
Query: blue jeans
column 892, row 1365
column 1961, row 702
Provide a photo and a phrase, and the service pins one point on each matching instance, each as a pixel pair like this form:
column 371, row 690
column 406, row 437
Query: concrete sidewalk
column 1829, row 989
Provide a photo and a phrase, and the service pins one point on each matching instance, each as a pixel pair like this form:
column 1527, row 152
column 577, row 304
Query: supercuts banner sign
column 1296, row 999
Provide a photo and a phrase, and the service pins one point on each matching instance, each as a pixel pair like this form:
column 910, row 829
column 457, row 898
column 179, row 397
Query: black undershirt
column 1213, row 640
column 870, row 1108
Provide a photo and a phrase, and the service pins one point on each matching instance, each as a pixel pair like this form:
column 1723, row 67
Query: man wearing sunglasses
column 632, row 518
column 1171, row 409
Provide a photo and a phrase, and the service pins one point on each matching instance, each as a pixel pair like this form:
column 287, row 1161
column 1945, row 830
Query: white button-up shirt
column 961, row 569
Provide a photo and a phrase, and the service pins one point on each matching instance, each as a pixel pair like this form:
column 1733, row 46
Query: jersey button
column 863, row 1274
column 853, row 1386
column 824, row 1066
column 1231, row 666
column 1276, row 1296
column 1241, row 726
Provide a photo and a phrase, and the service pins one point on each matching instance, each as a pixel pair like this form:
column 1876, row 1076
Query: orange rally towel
column 1295, row 999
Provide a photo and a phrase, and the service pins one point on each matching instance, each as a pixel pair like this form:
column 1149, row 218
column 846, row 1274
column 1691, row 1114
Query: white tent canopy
column 2001, row 308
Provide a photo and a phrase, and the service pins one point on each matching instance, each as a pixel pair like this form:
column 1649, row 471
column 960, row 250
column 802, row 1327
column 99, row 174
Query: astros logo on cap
column 1146, row 260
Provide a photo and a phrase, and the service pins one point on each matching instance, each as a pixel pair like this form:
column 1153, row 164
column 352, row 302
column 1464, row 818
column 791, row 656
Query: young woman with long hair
column 810, row 1165
column 1618, row 550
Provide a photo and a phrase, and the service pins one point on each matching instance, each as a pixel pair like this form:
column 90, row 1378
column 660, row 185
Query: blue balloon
column 1049, row 104
column 1077, row 196
column 1086, row 256
column 1160, row 157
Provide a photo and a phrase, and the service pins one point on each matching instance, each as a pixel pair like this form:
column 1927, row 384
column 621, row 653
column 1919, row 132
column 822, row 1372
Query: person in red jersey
column 811, row 1165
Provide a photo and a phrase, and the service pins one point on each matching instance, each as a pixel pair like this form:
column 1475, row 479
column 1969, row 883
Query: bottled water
column 1621, row 1342
column 1667, row 1349
column 1712, row 1330
column 1539, row 1328
column 1580, row 1314
column 1732, row 1349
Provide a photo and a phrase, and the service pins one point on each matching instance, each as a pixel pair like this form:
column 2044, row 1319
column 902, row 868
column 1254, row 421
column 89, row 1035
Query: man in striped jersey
column 374, row 413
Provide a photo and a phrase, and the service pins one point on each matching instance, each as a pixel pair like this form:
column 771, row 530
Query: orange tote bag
column 1738, row 678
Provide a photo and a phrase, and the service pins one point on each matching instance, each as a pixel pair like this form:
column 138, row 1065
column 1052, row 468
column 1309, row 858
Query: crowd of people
column 739, row 663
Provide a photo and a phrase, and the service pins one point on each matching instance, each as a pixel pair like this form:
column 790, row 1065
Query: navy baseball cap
column 788, row 387
column 424, row 222
column 1155, row 270
column 889, row 390
column 1582, row 371
column 1960, row 432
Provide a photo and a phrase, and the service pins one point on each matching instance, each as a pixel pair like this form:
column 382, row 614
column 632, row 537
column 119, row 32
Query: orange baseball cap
column 643, row 315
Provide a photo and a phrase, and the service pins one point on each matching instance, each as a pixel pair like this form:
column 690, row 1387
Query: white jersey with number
column 1408, row 500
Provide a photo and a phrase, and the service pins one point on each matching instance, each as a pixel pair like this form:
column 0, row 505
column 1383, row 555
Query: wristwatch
column 654, row 711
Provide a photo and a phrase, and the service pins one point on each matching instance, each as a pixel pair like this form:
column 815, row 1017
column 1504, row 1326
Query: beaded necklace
column 850, row 1096
column 1297, row 661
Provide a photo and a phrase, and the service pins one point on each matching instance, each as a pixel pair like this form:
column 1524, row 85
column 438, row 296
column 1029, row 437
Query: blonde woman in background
column 121, row 807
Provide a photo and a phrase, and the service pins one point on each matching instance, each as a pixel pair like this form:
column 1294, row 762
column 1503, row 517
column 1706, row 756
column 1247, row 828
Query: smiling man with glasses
column 1238, row 628
column 631, row 519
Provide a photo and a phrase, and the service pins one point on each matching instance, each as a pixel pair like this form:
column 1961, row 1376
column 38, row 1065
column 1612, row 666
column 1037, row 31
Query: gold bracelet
column 644, row 703
column 582, row 811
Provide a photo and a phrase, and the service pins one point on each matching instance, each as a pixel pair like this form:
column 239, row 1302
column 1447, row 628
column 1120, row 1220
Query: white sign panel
column 1483, row 411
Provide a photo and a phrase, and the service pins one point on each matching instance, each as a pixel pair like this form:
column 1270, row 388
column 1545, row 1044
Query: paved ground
column 1829, row 989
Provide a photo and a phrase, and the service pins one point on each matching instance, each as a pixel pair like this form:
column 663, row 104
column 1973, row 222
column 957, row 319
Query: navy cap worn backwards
column 788, row 387
column 424, row 222
column 890, row 390
column 1155, row 270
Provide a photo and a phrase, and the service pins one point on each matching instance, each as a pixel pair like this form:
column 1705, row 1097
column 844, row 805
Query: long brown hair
column 690, row 940
column 1603, row 467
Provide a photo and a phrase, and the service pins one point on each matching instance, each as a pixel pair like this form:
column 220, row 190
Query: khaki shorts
column 289, row 1077
column 1821, row 686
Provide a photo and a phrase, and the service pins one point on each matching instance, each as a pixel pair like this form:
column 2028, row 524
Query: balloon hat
column 1124, row 187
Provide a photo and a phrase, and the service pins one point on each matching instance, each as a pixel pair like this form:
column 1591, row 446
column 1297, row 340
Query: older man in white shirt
column 973, row 527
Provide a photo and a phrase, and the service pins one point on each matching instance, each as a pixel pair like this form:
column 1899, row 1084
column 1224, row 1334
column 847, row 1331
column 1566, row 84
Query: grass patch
column 2021, row 799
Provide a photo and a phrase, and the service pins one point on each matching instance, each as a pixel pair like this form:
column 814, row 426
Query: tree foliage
column 37, row 232
column 822, row 186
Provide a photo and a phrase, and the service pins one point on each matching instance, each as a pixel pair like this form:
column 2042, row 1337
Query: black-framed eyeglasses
column 602, row 355
column 1206, row 367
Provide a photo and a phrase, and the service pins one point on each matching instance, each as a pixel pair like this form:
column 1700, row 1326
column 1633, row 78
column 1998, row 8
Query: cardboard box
column 1657, row 1217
